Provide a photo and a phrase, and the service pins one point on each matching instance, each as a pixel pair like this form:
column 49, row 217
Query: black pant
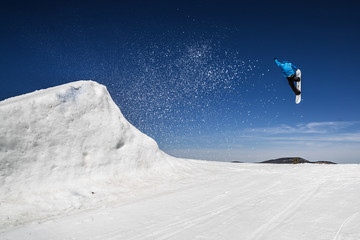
column 292, row 79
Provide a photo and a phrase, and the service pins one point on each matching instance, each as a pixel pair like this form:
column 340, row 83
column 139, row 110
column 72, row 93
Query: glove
column 275, row 58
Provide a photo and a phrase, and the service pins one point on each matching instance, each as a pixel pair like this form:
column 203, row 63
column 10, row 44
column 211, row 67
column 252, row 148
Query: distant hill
column 294, row 160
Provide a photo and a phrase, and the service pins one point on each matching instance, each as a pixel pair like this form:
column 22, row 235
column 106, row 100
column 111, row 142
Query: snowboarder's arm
column 277, row 62
column 294, row 67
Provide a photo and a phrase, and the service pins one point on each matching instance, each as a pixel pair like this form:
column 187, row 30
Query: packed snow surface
column 72, row 167
column 224, row 201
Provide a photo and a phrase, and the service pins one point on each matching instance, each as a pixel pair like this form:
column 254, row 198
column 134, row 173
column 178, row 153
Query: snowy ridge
column 68, row 147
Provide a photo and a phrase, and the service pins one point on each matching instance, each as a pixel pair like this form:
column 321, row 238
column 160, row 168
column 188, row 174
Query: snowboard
column 298, row 86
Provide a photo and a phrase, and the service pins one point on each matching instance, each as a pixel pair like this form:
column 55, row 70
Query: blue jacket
column 287, row 69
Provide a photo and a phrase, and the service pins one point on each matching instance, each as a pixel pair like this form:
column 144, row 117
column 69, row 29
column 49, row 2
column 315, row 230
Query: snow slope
column 224, row 201
column 69, row 147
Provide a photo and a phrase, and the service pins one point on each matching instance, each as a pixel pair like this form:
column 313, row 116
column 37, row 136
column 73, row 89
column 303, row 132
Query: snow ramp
column 69, row 147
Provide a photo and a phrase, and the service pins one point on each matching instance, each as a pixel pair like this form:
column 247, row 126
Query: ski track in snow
column 347, row 221
column 284, row 214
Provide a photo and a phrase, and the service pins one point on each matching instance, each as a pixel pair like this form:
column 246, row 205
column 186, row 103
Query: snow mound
column 69, row 147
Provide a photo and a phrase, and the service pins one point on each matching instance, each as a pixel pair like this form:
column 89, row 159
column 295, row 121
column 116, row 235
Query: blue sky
column 199, row 76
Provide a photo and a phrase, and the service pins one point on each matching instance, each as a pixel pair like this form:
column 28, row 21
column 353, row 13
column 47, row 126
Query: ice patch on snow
column 70, row 147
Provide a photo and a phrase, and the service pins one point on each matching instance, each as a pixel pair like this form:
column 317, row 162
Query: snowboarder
column 287, row 70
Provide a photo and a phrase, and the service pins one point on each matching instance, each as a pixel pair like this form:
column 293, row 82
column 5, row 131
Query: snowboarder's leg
column 292, row 85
